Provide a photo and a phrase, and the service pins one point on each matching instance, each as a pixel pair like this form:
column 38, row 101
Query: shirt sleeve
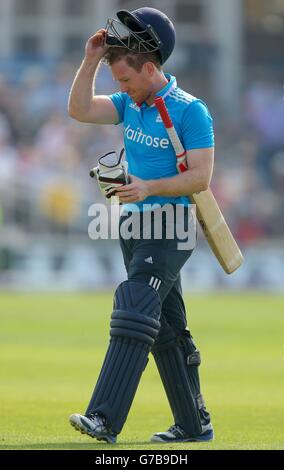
column 197, row 126
column 119, row 100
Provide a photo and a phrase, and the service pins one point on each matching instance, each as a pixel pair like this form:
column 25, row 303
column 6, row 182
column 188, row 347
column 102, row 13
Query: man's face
column 136, row 84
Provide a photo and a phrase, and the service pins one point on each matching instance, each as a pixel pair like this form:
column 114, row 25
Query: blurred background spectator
column 229, row 54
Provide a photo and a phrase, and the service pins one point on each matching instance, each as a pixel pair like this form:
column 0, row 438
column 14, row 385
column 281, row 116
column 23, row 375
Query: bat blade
column 216, row 231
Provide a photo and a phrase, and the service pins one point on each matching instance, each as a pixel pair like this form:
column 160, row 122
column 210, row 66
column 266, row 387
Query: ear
column 149, row 67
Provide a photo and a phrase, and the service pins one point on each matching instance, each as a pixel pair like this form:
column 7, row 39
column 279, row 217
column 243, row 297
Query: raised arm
column 83, row 103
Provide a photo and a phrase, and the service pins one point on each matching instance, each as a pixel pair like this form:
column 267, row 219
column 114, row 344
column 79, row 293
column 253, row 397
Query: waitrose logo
column 138, row 136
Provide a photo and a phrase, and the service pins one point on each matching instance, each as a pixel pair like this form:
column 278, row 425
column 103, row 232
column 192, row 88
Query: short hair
column 133, row 59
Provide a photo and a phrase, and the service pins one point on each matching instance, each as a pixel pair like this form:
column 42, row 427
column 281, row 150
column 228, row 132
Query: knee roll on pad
column 136, row 312
column 133, row 330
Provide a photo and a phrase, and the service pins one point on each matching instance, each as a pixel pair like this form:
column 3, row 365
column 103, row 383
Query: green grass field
column 52, row 347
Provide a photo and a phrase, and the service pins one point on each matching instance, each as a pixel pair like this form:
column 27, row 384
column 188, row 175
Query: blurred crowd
column 45, row 156
column 249, row 171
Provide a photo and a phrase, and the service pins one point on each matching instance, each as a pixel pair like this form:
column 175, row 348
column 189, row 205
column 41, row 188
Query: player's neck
column 158, row 85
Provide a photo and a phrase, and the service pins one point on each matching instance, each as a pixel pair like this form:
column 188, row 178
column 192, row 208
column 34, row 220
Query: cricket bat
column 208, row 213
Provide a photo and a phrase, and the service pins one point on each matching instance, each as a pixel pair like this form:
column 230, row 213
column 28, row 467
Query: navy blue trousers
column 158, row 262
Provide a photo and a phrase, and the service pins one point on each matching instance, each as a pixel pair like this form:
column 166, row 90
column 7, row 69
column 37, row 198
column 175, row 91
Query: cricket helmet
column 144, row 30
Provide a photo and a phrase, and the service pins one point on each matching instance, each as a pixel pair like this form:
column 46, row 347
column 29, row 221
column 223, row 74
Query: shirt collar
column 172, row 83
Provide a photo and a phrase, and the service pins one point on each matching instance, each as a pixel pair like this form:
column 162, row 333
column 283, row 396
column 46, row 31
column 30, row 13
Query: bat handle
column 160, row 105
column 174, row 138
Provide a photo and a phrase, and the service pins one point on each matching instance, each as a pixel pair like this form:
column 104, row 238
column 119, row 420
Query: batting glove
column 111, row 173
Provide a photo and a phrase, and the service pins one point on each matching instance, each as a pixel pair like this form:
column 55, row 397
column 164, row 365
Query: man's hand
column 136, row 191
column 95, row 46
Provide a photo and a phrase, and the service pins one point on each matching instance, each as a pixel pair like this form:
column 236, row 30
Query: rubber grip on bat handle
column 159, row 103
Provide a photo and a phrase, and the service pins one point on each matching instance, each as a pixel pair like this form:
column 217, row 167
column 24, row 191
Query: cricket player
column 148, row 311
